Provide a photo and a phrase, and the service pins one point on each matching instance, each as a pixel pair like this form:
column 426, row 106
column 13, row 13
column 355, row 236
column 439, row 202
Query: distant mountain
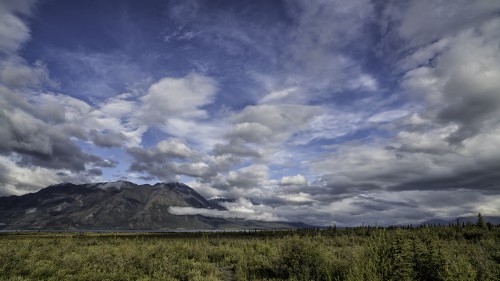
column 116, row 205
column 472, row 219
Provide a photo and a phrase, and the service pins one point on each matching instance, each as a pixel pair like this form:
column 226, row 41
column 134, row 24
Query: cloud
column 18, row 180
column 16, row 74
column 13, row 30
column 281, row 96
column 416, row 163
column 388, row 116
column 39, row 143
column 174, row 148
column 248, row 177
column 258, row 134
column 42, row 129
column 15, row 182
column 171, row 158
column 294, row 180
column 162, row 160
column 38, row 130
column 241, row 209
column 179, row 97
column 282, row 120
column 461, row 88
column 154, row 154
column 299, row 198
column 236, row 147
column 97, row 74
column 313, row 59
column 107, row 139
column 250, row 132
column 421, row 22
column 444, row 147
column 176, row 107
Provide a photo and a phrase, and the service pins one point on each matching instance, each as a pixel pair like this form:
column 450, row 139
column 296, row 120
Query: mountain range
column 118, row 205
column 466, row 220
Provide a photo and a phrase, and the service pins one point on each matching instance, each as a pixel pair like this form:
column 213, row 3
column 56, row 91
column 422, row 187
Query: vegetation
column 457, row 252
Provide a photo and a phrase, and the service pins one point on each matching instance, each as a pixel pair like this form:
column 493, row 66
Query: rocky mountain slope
column 116, row 205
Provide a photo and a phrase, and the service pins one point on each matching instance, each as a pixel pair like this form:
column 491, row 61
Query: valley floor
column 425, row 253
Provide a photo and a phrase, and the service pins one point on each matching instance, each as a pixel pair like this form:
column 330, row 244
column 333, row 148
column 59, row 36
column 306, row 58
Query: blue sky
column 327, row 112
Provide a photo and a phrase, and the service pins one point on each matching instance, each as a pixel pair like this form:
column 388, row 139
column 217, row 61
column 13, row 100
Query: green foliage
column 427, row 253
column 304, row 259
column 480, row 221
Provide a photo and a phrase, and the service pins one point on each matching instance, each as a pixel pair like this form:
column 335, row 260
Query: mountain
column 472, row 219
column 491, row 219
column 116, row 205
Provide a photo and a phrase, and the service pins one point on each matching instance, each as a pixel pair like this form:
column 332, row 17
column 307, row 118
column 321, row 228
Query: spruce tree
column 480, row 221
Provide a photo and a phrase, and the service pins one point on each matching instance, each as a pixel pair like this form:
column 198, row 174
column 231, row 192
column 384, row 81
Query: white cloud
column 301, row 197
column 241, row 209
column 432, row 141
column 462, row 88
column 178, row 97
column 282, row 120
column 202, row 133
column 18, row 180
column 281, row 96
column 388, row 116
column 13, row 31
column 173, row 105
column 251, row 132
column 175, row 148
column 294, row 180
column 254, row 176
column 196, row 169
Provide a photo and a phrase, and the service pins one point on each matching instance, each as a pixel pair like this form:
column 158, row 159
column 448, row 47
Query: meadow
column 461, row 252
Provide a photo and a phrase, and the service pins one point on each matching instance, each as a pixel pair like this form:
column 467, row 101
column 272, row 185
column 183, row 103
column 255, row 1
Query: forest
column 454, row 252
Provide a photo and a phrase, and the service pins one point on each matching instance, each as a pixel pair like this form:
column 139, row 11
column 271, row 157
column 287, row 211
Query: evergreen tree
column 480, row 221
column 401, row 258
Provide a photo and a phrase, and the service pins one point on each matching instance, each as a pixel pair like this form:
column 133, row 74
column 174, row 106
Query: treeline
column 454, row 252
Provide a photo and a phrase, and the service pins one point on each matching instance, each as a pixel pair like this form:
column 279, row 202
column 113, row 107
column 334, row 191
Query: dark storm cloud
column 483, row 179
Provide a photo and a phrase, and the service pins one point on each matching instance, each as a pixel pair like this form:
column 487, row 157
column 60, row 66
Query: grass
column 441, row 253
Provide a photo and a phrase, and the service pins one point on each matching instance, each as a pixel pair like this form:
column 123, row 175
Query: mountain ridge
column 117, row 205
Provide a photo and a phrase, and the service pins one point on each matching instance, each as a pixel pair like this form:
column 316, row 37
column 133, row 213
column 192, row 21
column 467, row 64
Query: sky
column 342, row 112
